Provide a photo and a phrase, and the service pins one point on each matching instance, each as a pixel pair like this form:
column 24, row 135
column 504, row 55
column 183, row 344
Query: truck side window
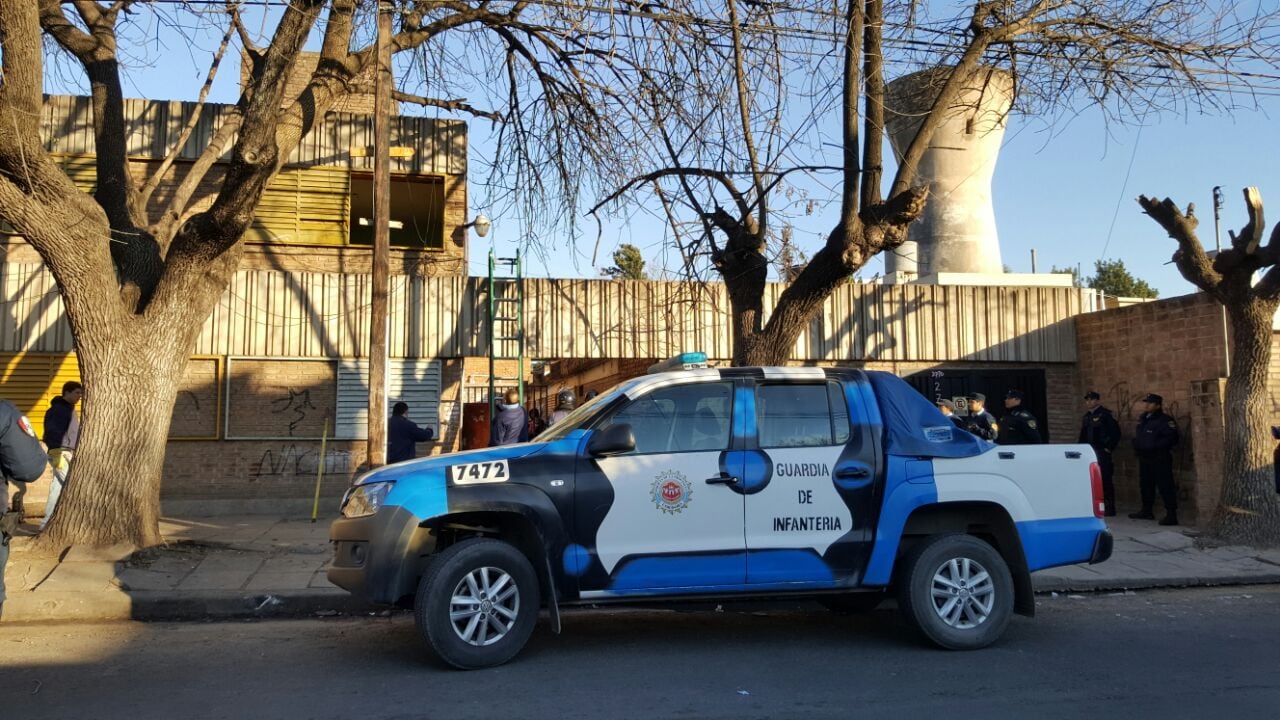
column 839, row 412
column 795, row 416
column 681, row 418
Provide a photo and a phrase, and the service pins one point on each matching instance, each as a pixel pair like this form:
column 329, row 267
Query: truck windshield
column 578, row 417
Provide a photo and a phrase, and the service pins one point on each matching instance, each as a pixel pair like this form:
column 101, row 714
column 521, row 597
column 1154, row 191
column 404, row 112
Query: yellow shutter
column 32, row 381
column 305, row 206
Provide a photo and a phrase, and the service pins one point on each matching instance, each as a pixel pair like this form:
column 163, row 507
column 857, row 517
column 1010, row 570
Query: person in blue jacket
column 21, row 459
column 403, row 435
column 511, row 424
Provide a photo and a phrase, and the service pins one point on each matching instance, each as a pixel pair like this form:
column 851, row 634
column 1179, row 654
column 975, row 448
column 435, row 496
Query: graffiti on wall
column 294, row 461
column 294, row 406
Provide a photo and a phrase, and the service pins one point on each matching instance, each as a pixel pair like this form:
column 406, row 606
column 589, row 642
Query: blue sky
column 1057, row 189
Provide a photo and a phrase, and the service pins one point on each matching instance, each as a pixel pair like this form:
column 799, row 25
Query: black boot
column 1142, row 515
column 1170, row 518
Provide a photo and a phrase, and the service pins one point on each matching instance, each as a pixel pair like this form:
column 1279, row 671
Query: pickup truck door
column 674, row 519
column 811, row 490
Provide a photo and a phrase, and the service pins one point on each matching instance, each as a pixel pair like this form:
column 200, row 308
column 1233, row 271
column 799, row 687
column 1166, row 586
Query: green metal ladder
column 506, row 324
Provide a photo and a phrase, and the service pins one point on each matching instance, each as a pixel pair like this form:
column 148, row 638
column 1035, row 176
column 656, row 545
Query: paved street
column 1167, row 654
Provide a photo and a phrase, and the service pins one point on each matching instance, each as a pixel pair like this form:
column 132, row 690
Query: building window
column 417, row 204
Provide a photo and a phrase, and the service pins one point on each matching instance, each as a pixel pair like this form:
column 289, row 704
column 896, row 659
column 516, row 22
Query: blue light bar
column 683, row 361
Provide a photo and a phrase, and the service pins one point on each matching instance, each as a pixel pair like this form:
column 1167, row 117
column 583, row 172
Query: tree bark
column 1249, row 508
column 112, row 494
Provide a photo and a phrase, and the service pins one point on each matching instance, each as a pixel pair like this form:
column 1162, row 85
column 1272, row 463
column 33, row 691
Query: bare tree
column 138, row 277
column 1128, row 58
column 1248, row 511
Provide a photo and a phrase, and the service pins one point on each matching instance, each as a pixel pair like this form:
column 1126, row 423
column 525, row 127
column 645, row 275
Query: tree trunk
column 1249, row 510
column 746, row 275
column 113, row 491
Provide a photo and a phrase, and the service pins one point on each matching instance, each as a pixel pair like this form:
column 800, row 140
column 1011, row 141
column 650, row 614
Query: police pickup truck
column 835, row 483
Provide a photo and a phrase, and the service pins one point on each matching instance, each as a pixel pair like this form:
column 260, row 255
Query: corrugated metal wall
column 440, row 146
column 276, row 314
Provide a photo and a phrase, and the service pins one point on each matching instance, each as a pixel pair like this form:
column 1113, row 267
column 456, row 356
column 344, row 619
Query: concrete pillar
column 957, row 233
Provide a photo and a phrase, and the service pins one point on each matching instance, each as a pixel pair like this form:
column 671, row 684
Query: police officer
column 1017, row 427
column 565, row 402
column 1100, row 430
column 983, row 424
column 1154, row 440
column 21, row 459
column 948, row 408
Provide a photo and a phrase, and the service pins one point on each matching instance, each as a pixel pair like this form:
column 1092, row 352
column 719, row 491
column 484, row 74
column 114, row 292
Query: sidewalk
column 260, row 566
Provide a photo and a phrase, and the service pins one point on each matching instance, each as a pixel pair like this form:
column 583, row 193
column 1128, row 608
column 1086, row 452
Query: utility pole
column 381, row 282
column 1217, row 246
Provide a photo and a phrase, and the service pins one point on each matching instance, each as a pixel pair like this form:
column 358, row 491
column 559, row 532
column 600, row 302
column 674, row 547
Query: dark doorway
column 954, row 384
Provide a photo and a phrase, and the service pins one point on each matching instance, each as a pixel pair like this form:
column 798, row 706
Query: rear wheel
column 477, row 603
column 957, row 591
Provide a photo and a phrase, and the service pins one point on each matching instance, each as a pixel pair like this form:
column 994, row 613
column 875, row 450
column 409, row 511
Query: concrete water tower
column 957, row 233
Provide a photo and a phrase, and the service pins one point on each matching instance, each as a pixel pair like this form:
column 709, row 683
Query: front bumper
column 381, row 556
column 1102, row 547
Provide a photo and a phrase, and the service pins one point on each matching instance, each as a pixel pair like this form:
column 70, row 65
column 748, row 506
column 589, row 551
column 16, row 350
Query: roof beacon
column 683, row 361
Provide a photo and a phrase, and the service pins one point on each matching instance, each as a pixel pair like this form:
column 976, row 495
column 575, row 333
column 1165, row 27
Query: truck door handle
column 722, row 479
column 853, row 472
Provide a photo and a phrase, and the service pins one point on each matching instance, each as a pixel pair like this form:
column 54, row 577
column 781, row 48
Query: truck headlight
column 363, row 500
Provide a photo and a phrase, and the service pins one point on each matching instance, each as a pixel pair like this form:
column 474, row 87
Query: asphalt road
column 1179, row 654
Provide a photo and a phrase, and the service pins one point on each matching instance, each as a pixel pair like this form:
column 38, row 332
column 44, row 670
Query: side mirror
column 615, row 439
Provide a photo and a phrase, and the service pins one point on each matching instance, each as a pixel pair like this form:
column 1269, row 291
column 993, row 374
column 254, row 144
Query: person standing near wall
column 1154, row 440
column 982, row 423
column 1018, row 426
column 511, row 424
column 22, row 460
column 948, row 408
column 1100, row 430
column 565, row 402
column 61, row 433
column 403, row 435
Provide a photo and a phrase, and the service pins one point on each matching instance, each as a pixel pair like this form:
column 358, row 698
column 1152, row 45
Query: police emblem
column 25, row 425
column 671, row 492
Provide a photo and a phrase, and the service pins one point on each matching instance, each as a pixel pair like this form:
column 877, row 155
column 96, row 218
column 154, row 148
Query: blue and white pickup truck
column 838, row 484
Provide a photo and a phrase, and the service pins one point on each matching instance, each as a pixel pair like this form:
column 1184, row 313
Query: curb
column 116, row 605
column 168, row 605
column 1048, row 585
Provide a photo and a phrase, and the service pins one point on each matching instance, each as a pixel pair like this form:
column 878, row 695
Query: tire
column 463, row 571
column 852, row 603
column 955, row 564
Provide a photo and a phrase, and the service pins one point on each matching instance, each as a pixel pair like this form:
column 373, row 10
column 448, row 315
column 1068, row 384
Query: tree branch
column 452, row 105
column 1191, row 259
column 148, row 189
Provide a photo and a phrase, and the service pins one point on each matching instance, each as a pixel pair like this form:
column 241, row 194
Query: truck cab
column 835, row 483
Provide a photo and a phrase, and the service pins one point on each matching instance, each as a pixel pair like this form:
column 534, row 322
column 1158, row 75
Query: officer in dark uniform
column 983, row 424
column 1154, row 440
column 21, row 459
column 1017, row 427
column 948, row 408
column 1100, row 430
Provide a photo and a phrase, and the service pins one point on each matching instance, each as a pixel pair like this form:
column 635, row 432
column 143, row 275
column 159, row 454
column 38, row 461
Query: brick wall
column 1174, row 348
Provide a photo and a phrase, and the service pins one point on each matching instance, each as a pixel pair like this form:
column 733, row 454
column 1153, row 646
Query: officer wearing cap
column 21, row 459
column 1153, row 441
column 1100, row 430
column 983, row 424
column 1017, row 427
column 948, row 408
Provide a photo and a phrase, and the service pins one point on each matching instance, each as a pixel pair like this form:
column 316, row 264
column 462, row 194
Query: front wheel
column 957, row 591
column 477, row 603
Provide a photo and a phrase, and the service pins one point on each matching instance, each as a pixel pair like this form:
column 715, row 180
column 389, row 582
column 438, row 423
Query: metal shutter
column 416, row 382
column 32, row 381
